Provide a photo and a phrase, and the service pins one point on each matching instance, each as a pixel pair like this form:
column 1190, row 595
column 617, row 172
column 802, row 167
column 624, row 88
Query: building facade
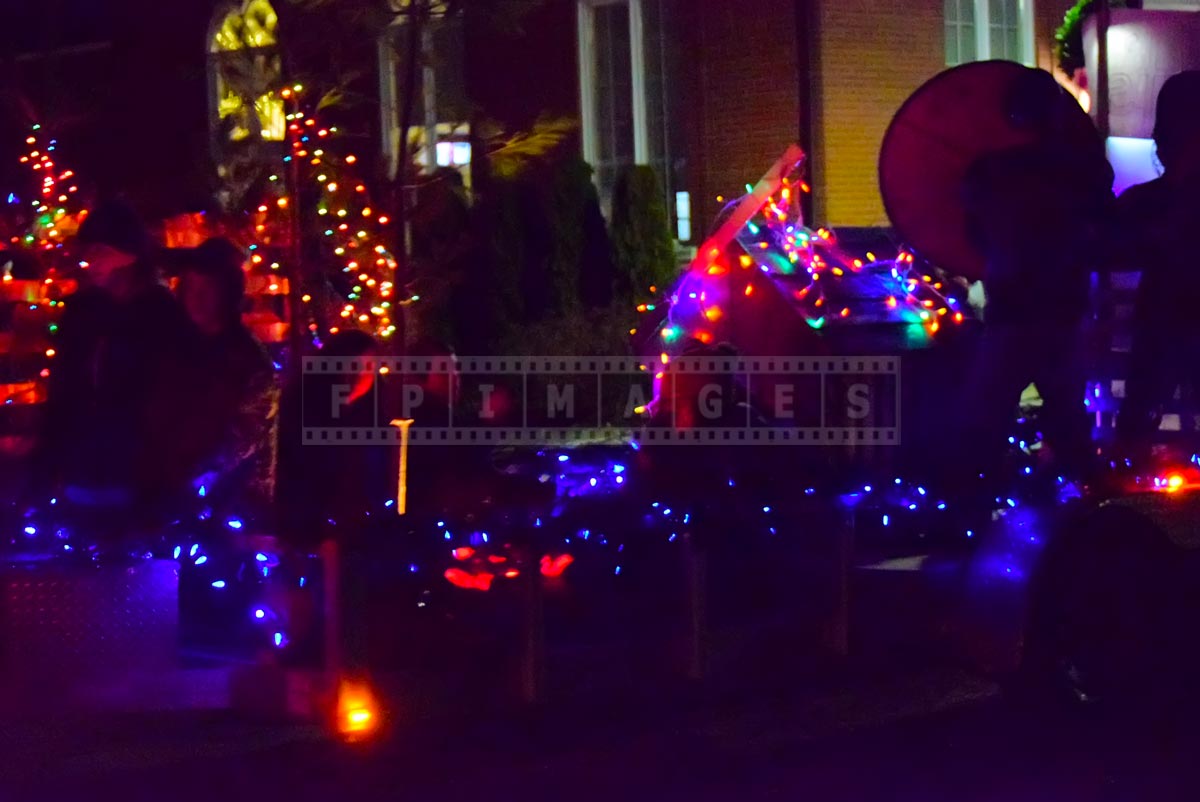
column 709, row 92
column 718, row 89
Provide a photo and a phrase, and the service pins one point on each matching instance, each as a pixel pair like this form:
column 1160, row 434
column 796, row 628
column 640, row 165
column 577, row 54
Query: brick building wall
column 871, row 57
column 742, row 96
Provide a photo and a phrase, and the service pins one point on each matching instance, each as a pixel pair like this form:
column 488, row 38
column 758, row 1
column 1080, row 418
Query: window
column 437, row 135
column 979, row 30
column 245, row 69
column 960, row 32
column 623, row 90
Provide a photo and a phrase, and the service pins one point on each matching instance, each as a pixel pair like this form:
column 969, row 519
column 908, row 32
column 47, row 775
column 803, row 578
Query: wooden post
column 1103, row 19
column 843, row 570
column 533, row 638
column 402, row 472
column 331, row 565
column 697, row 586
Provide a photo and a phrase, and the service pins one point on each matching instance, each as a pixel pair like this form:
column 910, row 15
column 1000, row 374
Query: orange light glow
column 1174, row 483
column 749, row 290
column 463, row 553
column 512, row 573
column 713, row 313
column 357, row 710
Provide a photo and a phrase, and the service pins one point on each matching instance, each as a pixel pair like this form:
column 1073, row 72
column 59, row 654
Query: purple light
column 260, row 613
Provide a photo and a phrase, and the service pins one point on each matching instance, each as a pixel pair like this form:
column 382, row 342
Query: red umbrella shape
column 945, row 126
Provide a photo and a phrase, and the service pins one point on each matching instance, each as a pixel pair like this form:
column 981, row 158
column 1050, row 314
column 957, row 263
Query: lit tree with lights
column 55, row 209
column 316, row 206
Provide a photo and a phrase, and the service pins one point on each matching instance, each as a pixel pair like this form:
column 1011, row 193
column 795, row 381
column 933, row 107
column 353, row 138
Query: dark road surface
column 949, row 737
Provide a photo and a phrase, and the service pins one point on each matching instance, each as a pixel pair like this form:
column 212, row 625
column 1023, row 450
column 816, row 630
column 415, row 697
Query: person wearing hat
column 117, row 332
column 213, row 412
column 1158, row 222
column 1035, row 211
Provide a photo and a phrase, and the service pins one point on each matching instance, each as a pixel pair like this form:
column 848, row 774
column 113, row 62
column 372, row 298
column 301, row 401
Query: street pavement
column 932, row 734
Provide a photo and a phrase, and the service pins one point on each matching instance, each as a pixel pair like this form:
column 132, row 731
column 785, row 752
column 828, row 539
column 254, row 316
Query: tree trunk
column 416, row 15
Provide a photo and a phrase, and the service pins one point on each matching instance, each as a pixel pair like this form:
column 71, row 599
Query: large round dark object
column 949, row 123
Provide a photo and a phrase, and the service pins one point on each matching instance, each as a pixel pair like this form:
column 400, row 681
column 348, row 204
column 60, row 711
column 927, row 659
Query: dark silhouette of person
column 1158, row 223
column 116, row 335
column 1036, row 212
column 215, row 409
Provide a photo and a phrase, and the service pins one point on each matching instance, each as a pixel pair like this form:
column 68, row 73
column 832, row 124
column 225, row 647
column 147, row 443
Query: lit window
column 451, row 148
column 683, row 216
column 244, row 62
column 979, row 30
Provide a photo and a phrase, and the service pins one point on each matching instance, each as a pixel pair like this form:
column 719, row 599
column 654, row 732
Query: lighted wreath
column 1068, row 39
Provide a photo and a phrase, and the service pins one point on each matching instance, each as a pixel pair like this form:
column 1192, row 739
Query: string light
column 369, row 304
